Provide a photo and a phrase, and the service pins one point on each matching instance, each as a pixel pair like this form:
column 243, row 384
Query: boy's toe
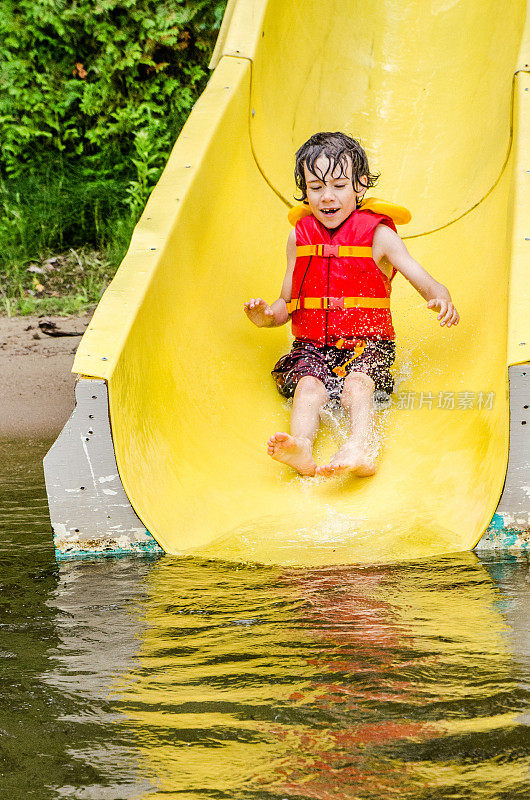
column 324, row 470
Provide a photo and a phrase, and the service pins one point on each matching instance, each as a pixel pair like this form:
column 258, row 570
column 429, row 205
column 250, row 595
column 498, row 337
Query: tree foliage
column 93, row 94
column 81, row 80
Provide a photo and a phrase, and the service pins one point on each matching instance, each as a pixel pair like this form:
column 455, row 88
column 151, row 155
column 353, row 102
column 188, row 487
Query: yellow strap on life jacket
column 339, row 250
column 336, row 303
column 399, row 214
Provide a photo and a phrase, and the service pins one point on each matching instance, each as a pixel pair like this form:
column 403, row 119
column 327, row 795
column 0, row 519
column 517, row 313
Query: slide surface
column 429, row 88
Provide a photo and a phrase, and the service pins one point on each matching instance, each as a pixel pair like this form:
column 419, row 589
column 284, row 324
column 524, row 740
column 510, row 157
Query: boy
column 340, row 264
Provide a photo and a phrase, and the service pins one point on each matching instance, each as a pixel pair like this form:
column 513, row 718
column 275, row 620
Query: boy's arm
column 387, row 246
column 270, row 316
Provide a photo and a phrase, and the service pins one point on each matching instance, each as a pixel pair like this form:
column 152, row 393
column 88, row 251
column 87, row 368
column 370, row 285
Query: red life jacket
column 339, row 293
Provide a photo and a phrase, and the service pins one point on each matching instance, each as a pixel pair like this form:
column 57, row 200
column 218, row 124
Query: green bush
column 93, row 94
column 80, row 80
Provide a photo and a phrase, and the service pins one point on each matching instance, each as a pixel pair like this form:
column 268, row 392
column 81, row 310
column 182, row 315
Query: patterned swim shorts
column 331, row 365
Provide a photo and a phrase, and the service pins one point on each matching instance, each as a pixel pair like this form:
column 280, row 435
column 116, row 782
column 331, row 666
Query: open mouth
column 329, row 211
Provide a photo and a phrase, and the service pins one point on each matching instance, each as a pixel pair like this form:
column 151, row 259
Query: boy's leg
column 356, row 455
column 296, row 449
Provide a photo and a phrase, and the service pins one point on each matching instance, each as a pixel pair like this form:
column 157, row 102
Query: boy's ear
column 361, row 184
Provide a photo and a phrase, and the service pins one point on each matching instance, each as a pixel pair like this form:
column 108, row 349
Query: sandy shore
column 37, row 386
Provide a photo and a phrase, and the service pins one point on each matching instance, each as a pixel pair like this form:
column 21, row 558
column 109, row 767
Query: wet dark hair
column 337, row 147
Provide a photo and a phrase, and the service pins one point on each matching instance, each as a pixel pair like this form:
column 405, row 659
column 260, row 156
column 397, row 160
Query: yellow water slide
column 438, row 93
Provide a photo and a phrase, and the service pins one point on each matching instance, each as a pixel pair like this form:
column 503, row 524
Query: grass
column 62, row 239
column 68, row 283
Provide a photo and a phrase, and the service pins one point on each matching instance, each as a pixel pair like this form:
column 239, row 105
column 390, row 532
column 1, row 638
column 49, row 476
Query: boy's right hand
column 259, row 312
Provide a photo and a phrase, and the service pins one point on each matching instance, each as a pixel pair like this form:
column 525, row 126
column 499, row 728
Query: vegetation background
column 93, row 94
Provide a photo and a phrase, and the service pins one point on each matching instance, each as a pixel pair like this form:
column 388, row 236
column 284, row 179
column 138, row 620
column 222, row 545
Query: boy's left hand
column 448, row 314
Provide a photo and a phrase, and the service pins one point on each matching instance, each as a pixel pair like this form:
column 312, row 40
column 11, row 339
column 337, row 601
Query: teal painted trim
column 106, row 548
column 501, row 535
column 143, row 549
column 497, row 523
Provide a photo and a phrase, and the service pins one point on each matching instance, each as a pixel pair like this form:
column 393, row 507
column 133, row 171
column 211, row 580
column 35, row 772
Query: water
column 167, row 678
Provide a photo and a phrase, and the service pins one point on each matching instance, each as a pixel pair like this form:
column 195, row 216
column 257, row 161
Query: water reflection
column 353, row 683
column 167, row 678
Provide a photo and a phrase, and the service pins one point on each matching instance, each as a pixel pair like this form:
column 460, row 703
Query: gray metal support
column 89, row 509
column 510, row 526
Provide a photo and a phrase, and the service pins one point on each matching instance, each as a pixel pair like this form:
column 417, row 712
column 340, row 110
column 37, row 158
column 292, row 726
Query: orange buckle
column 329, row 250
column 336, row 303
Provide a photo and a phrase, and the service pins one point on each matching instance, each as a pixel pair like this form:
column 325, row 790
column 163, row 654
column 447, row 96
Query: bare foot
column 296, row 453
column 352, row 459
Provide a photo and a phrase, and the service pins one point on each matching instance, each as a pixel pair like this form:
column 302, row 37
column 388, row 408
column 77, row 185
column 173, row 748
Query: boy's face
column 332, row 196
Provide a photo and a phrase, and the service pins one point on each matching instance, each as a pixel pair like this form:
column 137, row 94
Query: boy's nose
column 327, row 194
